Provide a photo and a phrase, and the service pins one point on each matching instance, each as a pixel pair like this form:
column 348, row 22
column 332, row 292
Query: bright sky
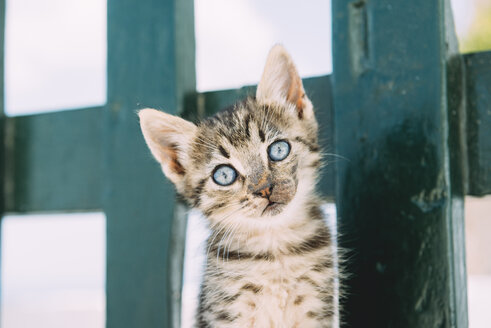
column 56, row 49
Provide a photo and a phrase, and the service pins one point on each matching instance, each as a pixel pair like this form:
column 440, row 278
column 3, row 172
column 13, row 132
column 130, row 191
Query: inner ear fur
column 281, row 82
column 168, row 138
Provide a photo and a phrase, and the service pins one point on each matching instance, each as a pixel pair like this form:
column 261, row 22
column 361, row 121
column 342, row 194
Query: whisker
column 222, row 224
column 228, row 235
column 231, row 239
column 335, row 155
column 221, row 242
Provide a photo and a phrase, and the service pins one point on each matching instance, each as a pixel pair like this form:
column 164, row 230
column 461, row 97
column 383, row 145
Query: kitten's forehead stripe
column 261, row 135
column 312, row 147
column 224, row 152
column 247, row 121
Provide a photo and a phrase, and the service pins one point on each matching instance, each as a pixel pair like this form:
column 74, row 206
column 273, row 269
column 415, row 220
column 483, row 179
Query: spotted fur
column 270, row 257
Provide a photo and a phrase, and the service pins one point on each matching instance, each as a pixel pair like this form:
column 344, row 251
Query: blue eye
column 224, row 175
column 278, row 150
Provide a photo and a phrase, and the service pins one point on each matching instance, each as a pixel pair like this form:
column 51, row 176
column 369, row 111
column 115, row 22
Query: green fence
column 411, row 115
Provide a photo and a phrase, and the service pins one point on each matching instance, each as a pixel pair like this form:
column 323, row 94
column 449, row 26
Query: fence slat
column 478, row 74
column 55, row 161
column 400, row 203
column 150, row 64
column 2, row 123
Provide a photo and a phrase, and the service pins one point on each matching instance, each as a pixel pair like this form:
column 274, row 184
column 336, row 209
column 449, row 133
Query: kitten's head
column 252, row 162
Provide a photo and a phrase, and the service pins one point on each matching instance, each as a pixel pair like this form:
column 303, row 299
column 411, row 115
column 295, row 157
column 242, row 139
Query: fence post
column 400, row 194
column 150, row 64
column 2, row 123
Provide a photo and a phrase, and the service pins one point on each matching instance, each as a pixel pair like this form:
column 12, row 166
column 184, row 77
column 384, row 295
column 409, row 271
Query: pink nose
column 264, row 192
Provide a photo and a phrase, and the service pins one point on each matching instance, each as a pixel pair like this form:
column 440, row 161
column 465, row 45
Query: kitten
column 252, row 171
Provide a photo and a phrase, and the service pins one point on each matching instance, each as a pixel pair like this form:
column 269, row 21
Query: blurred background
column 53, row 266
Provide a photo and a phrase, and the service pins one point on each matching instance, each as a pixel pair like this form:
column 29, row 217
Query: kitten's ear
column 280, row 82
column 168, row 138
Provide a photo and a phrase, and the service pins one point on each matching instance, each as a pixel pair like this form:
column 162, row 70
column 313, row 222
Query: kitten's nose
column 264, row 191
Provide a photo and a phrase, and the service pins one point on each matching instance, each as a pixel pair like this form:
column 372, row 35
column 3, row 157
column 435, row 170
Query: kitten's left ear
column 281, row 83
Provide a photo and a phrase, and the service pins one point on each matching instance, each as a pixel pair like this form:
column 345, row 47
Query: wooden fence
column 411, row 115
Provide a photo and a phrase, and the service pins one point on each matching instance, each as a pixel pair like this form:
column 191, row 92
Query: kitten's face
column 249, row 161
column 253, row 162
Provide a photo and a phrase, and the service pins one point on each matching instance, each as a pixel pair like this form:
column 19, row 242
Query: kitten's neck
column 276, row 234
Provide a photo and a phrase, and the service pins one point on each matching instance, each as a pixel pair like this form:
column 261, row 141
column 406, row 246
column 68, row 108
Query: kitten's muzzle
column 273, row 208
column 264, row 191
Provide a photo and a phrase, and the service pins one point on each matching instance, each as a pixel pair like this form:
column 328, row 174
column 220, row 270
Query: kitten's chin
column 273, row 208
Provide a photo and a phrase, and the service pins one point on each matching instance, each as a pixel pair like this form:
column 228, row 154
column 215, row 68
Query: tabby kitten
column 252, row 171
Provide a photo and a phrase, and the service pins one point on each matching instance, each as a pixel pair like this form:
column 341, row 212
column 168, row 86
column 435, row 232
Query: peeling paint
column 422, row 297
column 428, row 200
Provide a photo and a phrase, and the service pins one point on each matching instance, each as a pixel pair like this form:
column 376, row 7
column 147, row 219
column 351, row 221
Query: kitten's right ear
column 168, row 138
column 280, row 82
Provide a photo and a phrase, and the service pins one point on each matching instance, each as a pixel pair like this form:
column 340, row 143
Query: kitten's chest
column 282, row 294
column 280, row 286
column 279, row 283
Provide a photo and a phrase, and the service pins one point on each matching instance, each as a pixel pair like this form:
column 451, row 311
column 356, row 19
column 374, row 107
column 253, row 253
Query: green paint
column 478, row 74
column 150, row 64
column 55, row 161
column 400, row 201
column 456, row 150
column 319, row 90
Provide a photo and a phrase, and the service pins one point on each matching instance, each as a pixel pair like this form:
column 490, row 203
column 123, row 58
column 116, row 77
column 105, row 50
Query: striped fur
column 272, row 268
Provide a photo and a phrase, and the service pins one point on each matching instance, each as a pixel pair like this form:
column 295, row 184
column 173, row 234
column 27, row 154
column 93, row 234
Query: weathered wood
column 456, row 150
column 319, row 90
column 399, row 201
column 55, row 161
column 478, row 80
column 2, row 123
column 150, row 64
